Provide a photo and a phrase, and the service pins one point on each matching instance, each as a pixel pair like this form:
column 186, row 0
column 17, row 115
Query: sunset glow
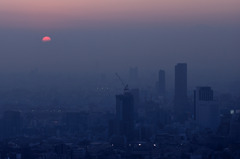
column 46, row 39
column 75, row 13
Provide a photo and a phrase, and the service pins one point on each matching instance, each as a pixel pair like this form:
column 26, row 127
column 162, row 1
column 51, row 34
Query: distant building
column 206, row 111
column 125, row 114
column 180, row 98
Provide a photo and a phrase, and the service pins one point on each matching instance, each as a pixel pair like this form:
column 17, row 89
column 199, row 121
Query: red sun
column 46, row 39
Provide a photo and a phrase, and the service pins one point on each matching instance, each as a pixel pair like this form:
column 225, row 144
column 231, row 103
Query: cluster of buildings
column 199, row 122
column 196, row 127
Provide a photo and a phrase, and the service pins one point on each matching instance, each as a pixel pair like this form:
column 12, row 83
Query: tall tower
column 180, row 99
column 161, row 83
column 125, row 114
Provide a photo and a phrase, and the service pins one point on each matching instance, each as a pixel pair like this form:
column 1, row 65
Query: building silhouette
column 180, row 98
column 206, row 111
column 125, row 115
column 202, row 94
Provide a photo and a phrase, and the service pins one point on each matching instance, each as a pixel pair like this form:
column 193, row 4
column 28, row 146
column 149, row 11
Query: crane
column 125, row 86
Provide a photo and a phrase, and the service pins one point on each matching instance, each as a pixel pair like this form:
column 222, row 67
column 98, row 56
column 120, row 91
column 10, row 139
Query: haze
column 110, row 36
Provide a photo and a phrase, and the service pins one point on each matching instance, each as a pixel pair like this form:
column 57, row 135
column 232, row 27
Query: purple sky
column 110, row 35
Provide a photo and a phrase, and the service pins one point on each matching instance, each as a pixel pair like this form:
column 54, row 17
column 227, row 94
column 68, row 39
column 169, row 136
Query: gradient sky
column 75, row 13
column 113, row 35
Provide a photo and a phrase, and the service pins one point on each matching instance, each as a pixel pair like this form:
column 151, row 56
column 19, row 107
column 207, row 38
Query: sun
column 46, row 39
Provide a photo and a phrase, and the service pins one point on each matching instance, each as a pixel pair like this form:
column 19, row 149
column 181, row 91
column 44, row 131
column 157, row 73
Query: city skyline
column 112, row 36
column 126, row 79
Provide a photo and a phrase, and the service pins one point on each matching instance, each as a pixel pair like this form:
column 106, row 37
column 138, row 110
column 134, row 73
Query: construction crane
column 125, row 86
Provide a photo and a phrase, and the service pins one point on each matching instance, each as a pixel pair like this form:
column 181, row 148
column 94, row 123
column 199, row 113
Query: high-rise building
column 180, row 99
column 161, row 84
column 206, row 111
column 125, row 114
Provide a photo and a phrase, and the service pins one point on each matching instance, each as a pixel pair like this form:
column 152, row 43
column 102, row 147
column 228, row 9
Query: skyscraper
column 125, row 114
column 180, row 99
column 206, row 111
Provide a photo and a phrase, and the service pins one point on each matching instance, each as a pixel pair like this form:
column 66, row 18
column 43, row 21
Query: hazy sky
column 75, row 13
column 103, row 35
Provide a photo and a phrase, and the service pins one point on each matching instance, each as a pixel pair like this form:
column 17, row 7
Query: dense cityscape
column 119, row 79
column 128, row 121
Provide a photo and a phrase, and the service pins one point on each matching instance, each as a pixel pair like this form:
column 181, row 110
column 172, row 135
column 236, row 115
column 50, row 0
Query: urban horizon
column 129, row 79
